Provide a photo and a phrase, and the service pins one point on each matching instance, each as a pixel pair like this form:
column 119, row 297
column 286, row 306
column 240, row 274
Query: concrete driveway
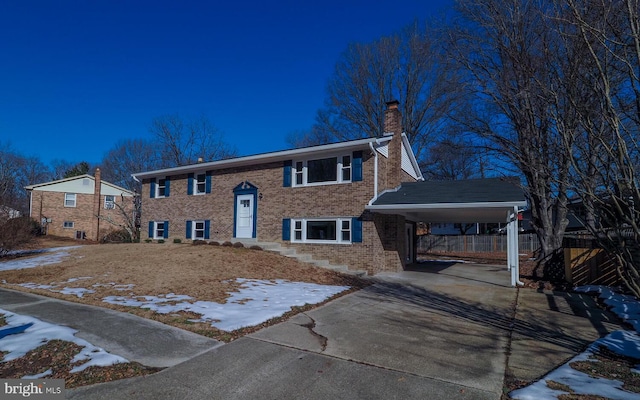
column 445, row 331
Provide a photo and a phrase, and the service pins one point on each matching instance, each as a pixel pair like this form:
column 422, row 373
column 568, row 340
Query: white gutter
column 431, row 206
column 262, row 158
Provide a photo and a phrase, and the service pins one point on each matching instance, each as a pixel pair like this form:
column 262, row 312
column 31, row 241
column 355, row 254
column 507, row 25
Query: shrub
column 119, row 236
column 238, row 245
column 160, row 240
column 177, row 240
column 227, row 244
column 214, row 243
column 148, row 240
column 199, row 242
column 15, row 232
column 255, row 247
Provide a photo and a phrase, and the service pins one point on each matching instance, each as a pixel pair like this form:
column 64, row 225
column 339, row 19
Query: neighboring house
column 322, row 200
column 8, row 212
column 81, row 207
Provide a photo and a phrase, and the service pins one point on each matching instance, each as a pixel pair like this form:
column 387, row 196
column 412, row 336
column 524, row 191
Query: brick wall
column 50, row 205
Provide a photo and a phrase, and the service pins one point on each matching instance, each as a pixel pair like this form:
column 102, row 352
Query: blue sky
column 78, row 76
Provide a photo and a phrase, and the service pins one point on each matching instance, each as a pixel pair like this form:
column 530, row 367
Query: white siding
column 407, row 165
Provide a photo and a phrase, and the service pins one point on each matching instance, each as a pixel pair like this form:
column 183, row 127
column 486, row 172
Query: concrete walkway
column 444, row 330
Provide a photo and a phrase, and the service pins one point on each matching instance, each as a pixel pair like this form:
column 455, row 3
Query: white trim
column 305, row 170
column 338, row 232
column 155, row 230
column 194, row 230
column 305, row 152
column 435, row 206
column 195, row 184
column 75, row 200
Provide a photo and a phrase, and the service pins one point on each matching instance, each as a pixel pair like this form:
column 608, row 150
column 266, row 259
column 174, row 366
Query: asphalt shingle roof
column 462, row 191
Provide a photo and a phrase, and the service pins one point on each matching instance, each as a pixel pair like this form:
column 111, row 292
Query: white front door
column 244, row 216
column 409, row 242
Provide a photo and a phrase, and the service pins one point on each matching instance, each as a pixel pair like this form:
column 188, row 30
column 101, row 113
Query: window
column 201, row 183
column 299, row 172
column 346, row 168
column 159, row 231
column 161, row 188
column 322, row 171
column 68, row 224
column 198, row 230
column 322, row 230
column 69, row 199
column 109, row 202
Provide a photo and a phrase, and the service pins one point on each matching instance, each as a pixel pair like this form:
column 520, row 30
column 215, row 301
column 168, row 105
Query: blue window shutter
column 166, row 187
column 286, row 229
column 166, row 229
column 152, row 188
column 357, row 166
column 188, row 234
column 356, row 230
column 207, row 227
column 190, row 184
column 207, row 183
column 151, row 229
column 286, row 178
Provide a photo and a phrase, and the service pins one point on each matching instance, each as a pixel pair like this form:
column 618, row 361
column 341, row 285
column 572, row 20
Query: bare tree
column 452, row 159
column 127, row 157
column 181, row 143
column 507, row 52
column 406, row 66
column 610, row 31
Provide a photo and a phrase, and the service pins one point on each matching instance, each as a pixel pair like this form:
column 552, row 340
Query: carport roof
column 464, row 201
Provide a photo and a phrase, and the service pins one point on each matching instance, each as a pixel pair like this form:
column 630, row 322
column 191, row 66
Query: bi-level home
column 311, row 198
column 80, row 207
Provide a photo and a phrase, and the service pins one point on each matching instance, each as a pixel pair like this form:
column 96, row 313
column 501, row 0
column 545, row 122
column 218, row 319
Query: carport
column 489, row 200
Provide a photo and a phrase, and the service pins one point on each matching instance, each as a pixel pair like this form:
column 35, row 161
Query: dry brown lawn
column 204, row 272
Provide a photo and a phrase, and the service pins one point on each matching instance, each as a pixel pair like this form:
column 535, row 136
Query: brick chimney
column 393, row 128
column 97, row 204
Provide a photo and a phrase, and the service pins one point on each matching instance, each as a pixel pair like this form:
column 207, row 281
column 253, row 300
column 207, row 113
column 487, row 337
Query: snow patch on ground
column 256, row 302
column 41, row 332
column 625, row 343
column 53, row 255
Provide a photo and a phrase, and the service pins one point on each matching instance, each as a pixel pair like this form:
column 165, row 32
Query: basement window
column 321, row 230
column 68, row 224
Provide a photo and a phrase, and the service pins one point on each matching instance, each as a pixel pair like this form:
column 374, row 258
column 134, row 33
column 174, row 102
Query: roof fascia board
column 37, row 185
column 412, row 157
column 258, row 158
column 435, row 206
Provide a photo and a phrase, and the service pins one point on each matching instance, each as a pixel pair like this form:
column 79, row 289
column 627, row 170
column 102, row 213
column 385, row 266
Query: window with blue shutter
column 356, row 230
column 286, row 178
column 357, row 166
column 190, row 184
column 152, row 188
column 166, row 225
column 286, row 229
column 189, row 228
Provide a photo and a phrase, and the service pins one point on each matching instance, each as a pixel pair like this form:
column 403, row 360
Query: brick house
column 81, row 207
column 312, row 198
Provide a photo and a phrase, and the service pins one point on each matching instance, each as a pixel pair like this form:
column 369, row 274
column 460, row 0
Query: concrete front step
column 292, row 253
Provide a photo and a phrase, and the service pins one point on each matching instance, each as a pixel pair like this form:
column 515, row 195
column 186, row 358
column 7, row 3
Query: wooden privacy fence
column 527, row 243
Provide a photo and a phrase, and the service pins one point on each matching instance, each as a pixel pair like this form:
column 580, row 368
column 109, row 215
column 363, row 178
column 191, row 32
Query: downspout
column 375, row 173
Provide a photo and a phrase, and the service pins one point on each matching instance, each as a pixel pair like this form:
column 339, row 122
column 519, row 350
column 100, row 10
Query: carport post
column 513, row 261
